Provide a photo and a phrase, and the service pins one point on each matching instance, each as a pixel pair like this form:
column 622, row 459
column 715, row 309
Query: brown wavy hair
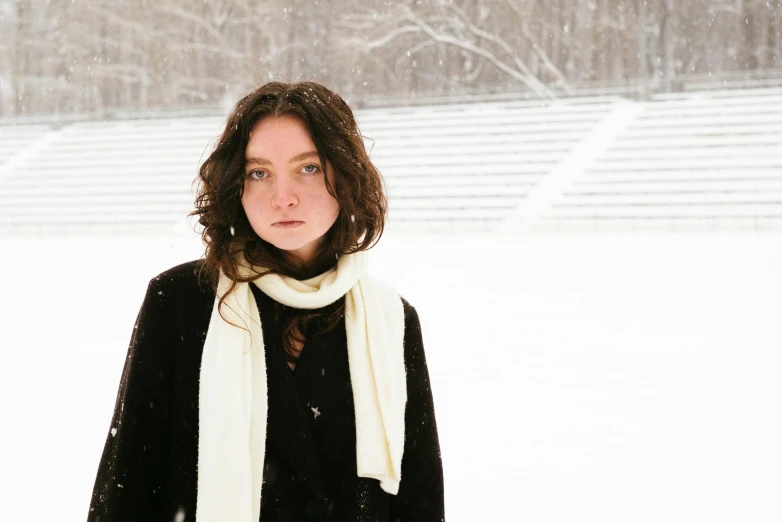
column 358, row 187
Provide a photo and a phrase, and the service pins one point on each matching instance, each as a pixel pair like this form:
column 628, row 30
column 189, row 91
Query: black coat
column 148, row 468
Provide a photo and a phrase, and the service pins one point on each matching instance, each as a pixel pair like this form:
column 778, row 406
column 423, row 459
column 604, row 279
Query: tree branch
column 524, row 76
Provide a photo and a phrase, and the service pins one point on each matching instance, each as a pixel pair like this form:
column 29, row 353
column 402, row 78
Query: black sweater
column 148, row 468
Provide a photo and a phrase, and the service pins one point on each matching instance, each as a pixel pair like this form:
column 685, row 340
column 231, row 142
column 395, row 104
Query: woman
column 274, row 379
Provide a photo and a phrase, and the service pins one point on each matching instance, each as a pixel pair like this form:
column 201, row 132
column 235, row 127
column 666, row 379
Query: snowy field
column 605, row 378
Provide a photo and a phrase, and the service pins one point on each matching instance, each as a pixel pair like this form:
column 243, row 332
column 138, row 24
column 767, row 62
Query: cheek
column 318, row 196
column 253, row 208
column 335, row 208
column 246, row 204
column 328, row 205
column 251, row 197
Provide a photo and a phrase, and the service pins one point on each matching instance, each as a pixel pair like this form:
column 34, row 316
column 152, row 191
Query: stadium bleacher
column 692, row 161
column 131, row 177
column 15, row 138
column 706, row 160
column 465, row 167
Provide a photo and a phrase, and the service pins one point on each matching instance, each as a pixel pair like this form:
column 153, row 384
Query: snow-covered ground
column 606, row 378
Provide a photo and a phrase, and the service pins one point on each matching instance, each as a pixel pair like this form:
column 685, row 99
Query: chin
column 288, row 245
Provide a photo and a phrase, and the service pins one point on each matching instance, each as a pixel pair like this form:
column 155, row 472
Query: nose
column 284, row 194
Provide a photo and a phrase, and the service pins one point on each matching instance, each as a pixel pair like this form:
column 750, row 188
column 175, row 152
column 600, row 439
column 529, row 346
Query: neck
column 302, row 270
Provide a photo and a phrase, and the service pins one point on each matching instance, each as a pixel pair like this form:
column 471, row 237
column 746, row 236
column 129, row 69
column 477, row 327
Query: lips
column 288, row 224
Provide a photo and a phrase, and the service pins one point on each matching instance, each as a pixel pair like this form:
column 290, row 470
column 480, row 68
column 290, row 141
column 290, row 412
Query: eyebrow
column 298, row 157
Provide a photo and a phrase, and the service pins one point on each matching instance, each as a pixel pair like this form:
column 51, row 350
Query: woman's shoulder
column 412, row 321
column 388, row 293
column 184, row 279
column 408, row 308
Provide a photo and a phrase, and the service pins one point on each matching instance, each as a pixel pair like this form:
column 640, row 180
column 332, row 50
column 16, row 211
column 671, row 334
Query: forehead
column 279, row 135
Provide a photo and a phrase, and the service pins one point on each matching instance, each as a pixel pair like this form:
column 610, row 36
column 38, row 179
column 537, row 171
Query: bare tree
column 59, row 56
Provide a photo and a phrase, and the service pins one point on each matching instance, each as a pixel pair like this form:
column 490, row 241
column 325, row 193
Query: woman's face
column 285, row 196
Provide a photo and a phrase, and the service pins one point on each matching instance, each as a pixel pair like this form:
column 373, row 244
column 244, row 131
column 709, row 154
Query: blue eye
column 257, row 175
column 310, row 169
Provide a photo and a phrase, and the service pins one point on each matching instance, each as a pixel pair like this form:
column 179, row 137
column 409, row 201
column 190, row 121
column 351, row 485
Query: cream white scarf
column 233, row 396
